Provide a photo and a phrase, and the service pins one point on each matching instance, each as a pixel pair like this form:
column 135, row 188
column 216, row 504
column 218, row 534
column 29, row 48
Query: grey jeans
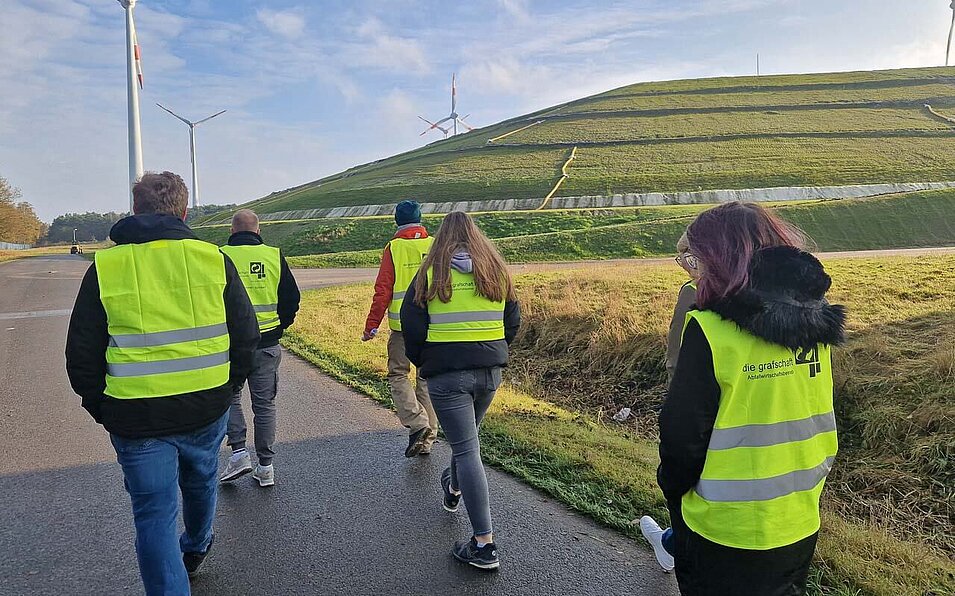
column 263, row 384
column 460, row 399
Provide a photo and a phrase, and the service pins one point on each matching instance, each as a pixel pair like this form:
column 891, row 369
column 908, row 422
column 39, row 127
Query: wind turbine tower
column 134, row 82
column 454, row 118
column 950, row 29
column 192, row 149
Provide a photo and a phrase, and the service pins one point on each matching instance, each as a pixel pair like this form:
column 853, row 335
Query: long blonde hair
column 458, row 233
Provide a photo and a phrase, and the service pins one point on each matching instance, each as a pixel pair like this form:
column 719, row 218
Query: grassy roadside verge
column 606, row 472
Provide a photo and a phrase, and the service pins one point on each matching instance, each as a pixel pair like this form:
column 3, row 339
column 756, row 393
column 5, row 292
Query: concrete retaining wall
column 786, row 193
column 11, row 246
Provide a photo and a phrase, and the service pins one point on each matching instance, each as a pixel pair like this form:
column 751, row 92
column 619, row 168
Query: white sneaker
column 239, row 465
column 264, row 474
column 654, row 534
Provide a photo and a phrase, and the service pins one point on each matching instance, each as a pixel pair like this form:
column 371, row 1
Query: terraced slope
column 743, row 132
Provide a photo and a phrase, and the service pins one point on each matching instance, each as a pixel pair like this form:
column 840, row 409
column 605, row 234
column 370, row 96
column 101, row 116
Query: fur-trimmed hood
column 784, row 301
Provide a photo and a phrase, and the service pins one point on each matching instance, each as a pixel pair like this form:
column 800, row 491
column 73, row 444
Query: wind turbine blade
column 211, row 117
column 434, row 125
column 454, row 94
column 137, row 54
column 174, row 114
column 465, row 124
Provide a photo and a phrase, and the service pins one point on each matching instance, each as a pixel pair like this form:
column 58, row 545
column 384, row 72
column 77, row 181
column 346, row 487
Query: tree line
column 19, row 223
column 95, row 227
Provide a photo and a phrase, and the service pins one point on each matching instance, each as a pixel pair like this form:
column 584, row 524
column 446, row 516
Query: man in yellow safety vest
column 161, row 333
column 275, row 299
column 399, row 264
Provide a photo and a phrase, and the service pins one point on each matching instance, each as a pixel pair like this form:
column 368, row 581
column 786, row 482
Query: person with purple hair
column 747, row 431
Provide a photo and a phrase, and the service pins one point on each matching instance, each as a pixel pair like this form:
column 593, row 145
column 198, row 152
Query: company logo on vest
column 809, row 356
column 257, row 269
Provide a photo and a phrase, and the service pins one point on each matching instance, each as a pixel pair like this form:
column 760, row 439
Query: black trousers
column 704, row 568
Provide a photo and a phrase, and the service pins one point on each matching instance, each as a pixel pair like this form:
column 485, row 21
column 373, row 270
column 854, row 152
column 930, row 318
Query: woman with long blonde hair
column 459, row 315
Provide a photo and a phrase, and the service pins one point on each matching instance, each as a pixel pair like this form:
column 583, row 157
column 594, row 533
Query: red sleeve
column 384, row 287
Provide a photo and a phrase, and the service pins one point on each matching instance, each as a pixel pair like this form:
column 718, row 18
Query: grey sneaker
column 237, row 468
column 482, row 557
column 264, row 474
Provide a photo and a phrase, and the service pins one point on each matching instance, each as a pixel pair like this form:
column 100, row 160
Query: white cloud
column 380, row 49
column 516, row 9
column 289, row 24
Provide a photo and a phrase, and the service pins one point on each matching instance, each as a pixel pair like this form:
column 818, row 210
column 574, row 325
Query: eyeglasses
column 688, row 260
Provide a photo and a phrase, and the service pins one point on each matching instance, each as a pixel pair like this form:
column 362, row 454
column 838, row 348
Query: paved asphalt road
column 349, row 514
column 322, row 278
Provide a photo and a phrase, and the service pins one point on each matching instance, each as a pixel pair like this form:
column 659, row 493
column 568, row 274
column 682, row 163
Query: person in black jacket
column 754, row 275
column 132, row 330
column 459, row 316
column 264, row 377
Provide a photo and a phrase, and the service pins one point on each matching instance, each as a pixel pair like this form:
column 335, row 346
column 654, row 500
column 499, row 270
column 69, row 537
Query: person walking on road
column 459, row 317
column 747, row 431
column 275, row 298
column 684, row 302
column 660, row 539
column 399, row 264
column 161, row 332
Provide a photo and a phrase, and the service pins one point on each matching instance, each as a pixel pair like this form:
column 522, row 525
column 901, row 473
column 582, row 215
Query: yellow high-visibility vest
column 468, row 316
column 260, row 269
column 166, row 318
column 773, row 442
column 406, row 254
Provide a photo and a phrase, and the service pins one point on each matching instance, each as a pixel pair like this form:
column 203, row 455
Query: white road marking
column 34, row 314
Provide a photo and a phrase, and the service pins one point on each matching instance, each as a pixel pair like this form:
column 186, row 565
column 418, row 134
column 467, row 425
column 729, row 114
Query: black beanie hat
column 407, row 212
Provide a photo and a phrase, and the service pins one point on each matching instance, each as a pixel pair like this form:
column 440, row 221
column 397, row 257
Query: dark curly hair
column 163, row 193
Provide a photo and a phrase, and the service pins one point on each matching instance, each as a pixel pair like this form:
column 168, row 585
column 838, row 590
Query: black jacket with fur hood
column 783, row 303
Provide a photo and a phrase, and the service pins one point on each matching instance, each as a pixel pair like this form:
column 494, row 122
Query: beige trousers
column 412, row 403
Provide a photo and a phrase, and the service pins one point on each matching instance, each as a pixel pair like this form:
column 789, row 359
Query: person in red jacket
column 399, row 264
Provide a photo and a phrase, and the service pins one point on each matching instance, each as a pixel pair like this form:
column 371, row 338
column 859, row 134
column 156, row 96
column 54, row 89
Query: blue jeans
column 667, row 540
column 155, row 470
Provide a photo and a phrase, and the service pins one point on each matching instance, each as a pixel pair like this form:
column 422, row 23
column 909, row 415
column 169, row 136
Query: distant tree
column 18, row 221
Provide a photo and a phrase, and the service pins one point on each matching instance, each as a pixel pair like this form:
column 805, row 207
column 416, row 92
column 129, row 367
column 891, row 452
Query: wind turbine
column 453, row 117
column 950, row 29
column 434, row 125
column 192, row 149
column 134, row 75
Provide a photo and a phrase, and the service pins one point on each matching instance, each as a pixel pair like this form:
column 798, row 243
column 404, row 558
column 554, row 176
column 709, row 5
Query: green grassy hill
column 742, row 132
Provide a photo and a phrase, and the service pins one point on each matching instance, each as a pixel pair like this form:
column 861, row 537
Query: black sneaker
column 192, row 561
column 482, row 557
column 416, row 441
column 451, row 500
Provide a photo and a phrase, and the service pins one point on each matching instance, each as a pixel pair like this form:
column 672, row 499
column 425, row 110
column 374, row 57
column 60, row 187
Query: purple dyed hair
column 725, row 238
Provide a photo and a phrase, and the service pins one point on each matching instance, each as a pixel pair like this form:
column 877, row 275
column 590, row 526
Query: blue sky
column 314, row 87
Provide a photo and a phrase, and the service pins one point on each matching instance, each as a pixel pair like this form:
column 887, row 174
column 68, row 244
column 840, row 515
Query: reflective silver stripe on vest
column 268, row 322
column 142, row 369
column 778, row 433
column 467, row 317
column 763, row 489
column 264, row 307
column 161, row 338
column 394, row 315
column 398, row 296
